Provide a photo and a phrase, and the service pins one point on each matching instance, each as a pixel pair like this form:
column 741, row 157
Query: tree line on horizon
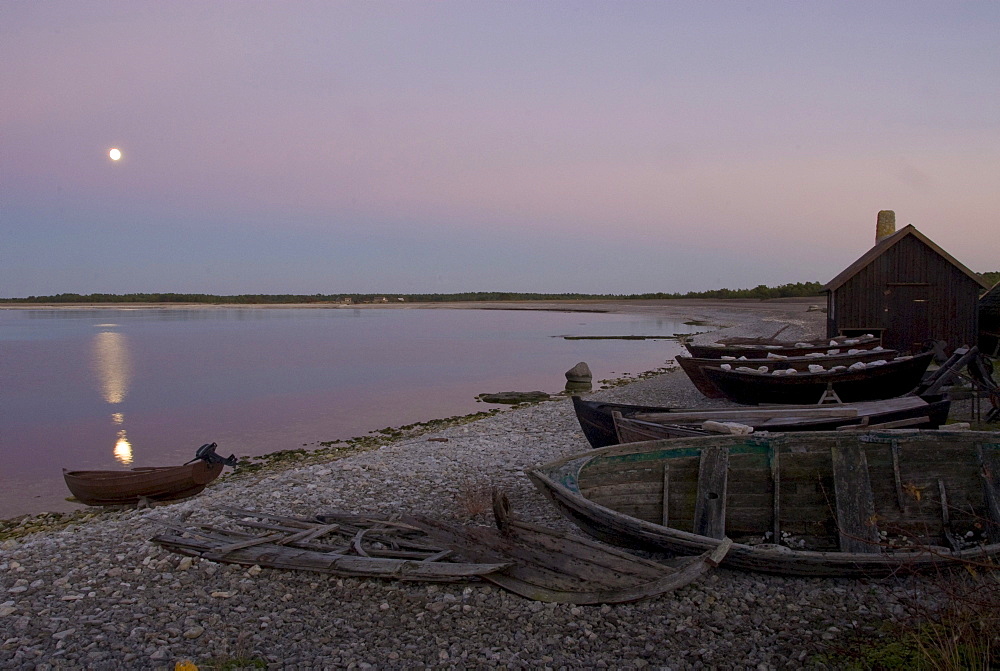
column 760, row 292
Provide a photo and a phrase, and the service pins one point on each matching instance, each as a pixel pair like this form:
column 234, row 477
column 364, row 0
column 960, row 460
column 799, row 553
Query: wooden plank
column 710, row 506
column 242, row 544
column 951, row 369
column 897, row 478
column 989, row 461
column 666, row 495
column 814, row 412
column 776, row 498
column 855, row 505
column 949, row 537
column 897, row 424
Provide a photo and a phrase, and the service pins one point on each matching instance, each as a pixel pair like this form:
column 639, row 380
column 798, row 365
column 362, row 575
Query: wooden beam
column 710, row 506
column 666, row 494
column 855, row 504
column 815, row 412
column 776, row 484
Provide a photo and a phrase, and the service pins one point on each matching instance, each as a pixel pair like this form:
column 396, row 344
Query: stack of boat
column 844, row 370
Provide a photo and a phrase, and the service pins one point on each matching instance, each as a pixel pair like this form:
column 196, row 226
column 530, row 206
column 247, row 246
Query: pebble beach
column 97, row 594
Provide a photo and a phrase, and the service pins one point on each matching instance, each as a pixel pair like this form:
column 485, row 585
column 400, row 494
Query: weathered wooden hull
column 756, row 351
column 895, row 378
column 161, row 483
column 837, row 504
column 598, row 424
column 335, row 544
column 526, row 559
column 693, row 367
column 550, row 566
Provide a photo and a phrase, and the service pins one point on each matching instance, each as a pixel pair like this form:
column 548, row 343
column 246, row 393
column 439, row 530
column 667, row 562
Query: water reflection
column 123, row 449
column 111, row 363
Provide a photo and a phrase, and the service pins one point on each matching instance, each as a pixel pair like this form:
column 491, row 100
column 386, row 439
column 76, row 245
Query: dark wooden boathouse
column 907, row 290
column 989, row 321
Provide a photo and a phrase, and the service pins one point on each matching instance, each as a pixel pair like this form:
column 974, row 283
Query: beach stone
column 515, row 397
column 580, row 373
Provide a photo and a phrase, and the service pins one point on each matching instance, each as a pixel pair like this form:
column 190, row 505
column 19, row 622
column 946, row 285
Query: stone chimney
column 885, row 226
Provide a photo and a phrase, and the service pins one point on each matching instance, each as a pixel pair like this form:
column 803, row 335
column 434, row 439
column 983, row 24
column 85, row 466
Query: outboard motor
column 207, row 453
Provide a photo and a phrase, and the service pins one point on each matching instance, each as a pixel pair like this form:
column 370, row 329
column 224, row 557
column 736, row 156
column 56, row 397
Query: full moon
column 115, row 154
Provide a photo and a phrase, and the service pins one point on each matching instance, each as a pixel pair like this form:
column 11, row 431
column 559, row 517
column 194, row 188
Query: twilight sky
column 552, row 146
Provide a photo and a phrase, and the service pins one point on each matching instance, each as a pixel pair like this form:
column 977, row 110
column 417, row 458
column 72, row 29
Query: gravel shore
column 99, row 595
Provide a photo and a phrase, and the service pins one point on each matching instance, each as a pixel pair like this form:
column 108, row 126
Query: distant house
column 906, row 289
column 989, row 321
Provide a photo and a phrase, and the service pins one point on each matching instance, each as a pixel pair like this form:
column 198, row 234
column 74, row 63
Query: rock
column 194, row 632
column 580, row 373
column 514, row 397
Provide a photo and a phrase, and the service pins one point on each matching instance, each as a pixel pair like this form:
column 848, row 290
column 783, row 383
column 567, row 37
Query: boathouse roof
column 887, row 243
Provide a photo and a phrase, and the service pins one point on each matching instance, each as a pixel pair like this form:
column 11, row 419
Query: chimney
column 885, row 226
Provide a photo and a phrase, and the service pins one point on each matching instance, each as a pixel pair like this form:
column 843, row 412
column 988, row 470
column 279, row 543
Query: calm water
column 106, row 389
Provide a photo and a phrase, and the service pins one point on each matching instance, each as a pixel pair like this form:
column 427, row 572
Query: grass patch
column 954, row 624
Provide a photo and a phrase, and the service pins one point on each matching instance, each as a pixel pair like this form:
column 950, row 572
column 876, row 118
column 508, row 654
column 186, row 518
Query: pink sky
column 603, row 147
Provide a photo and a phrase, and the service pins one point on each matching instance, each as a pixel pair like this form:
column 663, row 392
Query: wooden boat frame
column 526, row 559
column 903, row 478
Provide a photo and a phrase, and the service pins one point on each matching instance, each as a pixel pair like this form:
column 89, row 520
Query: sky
column 531, row 146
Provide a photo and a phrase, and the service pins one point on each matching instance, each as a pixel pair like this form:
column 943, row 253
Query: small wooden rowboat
column 526, row 559
column 894, row 378
column 925, row 412
column 693, row 366
column 155, row 483
column 804, row 504
column 761, row 349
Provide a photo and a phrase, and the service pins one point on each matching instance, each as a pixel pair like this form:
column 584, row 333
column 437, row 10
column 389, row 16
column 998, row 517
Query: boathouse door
column 908, row 321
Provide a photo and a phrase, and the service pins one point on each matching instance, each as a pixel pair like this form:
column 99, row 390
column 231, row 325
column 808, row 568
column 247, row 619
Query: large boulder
column 579, row 373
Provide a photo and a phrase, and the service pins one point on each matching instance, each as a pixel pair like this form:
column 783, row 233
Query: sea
column 115, row 388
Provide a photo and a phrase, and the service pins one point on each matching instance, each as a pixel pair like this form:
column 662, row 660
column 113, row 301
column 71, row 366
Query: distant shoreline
column 570, row 305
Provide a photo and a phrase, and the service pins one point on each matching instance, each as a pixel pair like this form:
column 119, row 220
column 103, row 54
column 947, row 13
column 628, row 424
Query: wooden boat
column 597, row 422
column 802, row 504
column 693, row 366
column 761, row 348
column 895, row 378
column 526, row 559
column 156, row 483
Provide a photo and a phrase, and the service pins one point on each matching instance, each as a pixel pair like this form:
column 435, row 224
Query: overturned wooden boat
column 804, row 504
column 868, row 382
column 761, row 348
column 693, row 367
column 154, row 483
column 928, row 412
column 526, row 559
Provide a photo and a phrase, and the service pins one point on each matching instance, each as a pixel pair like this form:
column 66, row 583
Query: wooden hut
column 907, row 290
column 989, row 321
